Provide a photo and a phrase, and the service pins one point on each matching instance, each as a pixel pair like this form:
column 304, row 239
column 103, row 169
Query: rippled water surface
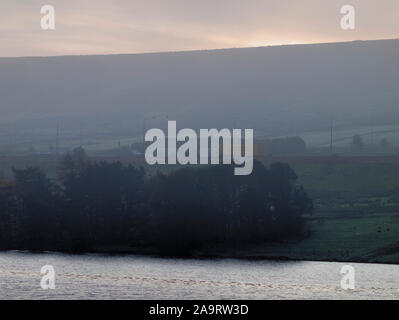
column 136, row 277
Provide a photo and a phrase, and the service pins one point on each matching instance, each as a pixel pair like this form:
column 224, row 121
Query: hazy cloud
column 122, row 26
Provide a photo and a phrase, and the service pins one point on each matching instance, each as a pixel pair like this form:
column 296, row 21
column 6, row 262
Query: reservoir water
column 95, row 276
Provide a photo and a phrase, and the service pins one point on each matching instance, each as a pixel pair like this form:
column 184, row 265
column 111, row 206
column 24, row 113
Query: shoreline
column 198, row 255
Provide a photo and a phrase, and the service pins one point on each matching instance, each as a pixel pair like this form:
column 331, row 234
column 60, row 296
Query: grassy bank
column 356, row 214
column 372, row 238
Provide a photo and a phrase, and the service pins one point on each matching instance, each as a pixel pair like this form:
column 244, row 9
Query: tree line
column 100, row 204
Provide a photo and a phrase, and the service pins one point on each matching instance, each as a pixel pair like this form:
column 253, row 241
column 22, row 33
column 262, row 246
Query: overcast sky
column 132, row 26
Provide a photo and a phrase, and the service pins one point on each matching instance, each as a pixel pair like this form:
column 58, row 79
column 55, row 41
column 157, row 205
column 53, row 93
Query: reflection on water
column 95, row 276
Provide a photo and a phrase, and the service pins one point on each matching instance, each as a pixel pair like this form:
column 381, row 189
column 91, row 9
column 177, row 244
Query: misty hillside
column 278, row 90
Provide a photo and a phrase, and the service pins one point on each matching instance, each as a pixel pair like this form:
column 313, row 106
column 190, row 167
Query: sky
column 122, row 26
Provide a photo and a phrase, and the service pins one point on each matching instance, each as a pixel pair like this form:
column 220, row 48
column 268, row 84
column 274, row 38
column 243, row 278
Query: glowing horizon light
column 265, row 43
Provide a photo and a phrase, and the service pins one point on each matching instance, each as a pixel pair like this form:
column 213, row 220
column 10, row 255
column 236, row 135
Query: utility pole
column 57, row 140
column 372, row 135
column 372, row 127
column 331, row 137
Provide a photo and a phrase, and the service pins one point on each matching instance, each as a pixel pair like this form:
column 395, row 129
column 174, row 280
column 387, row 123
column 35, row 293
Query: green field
column 356, row 214
column 367, row 238
column 370, row 238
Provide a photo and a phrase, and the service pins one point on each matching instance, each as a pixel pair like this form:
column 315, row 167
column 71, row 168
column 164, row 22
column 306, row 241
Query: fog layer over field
column 282, row 90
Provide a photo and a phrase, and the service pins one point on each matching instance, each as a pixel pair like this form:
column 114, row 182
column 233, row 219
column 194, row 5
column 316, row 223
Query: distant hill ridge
column 276, row 90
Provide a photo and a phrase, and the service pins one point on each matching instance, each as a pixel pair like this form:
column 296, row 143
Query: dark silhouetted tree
column 100, row 204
